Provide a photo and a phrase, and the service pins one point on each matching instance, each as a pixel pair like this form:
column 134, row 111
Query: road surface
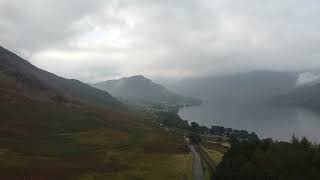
column 196, row 165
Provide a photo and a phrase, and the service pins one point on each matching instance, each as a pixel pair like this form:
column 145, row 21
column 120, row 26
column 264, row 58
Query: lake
column 264, row 119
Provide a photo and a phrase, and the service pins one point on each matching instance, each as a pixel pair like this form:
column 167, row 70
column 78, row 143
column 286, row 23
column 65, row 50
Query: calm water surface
column 264, row 119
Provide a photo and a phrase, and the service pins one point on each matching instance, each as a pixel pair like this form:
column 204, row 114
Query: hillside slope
column 51, row 128
column 139, row 88
column 23, row 78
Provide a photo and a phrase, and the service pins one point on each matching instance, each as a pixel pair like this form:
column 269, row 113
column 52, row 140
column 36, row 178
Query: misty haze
column 156, row 89
column 250, row 101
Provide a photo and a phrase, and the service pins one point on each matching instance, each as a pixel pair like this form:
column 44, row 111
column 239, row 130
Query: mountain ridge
column 140, row 88
column 40, row 85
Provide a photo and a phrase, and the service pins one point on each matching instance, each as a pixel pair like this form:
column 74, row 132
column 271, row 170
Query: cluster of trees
column 194, row 138
column 222, row 131
column 266, row 159
column 196, row 128
column 171, row 118
column 232, row 133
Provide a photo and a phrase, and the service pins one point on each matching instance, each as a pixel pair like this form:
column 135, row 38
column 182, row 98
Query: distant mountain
column 306, row 96
column 139, row 88
column 19, row 78
column 244, row 87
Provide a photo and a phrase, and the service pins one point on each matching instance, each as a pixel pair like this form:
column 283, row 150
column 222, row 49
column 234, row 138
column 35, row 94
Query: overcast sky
column 98, row 39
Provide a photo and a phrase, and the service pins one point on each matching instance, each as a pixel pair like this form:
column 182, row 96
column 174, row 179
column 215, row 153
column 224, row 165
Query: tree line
column 266, row 159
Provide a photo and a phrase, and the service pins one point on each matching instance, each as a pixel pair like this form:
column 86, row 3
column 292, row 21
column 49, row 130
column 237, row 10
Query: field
column 42, row 141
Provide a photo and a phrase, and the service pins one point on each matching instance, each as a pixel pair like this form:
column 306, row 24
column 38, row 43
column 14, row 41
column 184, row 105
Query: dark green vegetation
column 232, row 133
column 221, row 131
column 140, row 89
column 270, row 160
column 212, row 149
column 53, row 128
column 214, row 143
column 194, row 138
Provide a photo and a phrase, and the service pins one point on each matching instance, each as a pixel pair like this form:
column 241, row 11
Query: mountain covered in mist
column 242, row 87
column 307, row 95
column 19, row 78
column 139, row 88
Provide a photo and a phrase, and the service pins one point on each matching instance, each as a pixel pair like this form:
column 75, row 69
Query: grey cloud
column 164, row 38
column 36, row 24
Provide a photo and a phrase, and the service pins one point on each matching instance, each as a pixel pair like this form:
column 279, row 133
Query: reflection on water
column 264, row 119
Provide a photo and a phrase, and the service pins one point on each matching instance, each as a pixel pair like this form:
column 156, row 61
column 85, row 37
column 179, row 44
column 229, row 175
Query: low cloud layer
column 97, row 40
column 307, row 78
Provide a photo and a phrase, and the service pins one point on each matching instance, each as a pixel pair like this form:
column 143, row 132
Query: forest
column 267, row 159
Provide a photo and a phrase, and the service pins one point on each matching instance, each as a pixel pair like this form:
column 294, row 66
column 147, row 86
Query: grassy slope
column 215, row 148
column 47, row 141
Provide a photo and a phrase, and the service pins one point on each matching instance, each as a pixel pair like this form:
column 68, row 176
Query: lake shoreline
column 266, row 120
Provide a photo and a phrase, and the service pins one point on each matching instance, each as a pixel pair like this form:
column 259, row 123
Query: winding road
column 196, row 165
